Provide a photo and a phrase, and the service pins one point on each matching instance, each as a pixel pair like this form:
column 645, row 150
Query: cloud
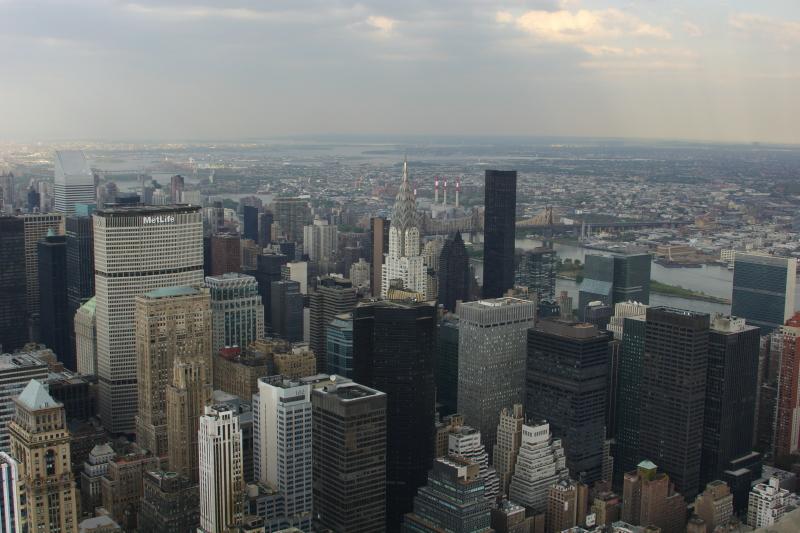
column 633, row 59
column 692, row 29
column 581, row 26
column 383, row 25
column 198, row 12
column 785, row 32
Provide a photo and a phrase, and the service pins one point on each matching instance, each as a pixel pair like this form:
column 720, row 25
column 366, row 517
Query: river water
column 713, row 280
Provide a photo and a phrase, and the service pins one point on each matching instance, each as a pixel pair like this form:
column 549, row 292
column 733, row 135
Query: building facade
column 16, row 371
column 491, row 359
column 763, row 289
column 237, row 314
column 453, row 273
column 13, row 283
column 333, row 296
column 74, row 181
column 137, row 249
column 540, row 464
column 349, row 435
column 499, row 232
column 339, row 345
column 54, row 319
column 221, row 481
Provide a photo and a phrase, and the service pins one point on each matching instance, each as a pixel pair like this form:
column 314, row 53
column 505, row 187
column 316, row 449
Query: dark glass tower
column 763, row 290
column 673, row 394
column 394, row 347
column 54, row 321
column 499, row 232
column 250, row 216
column 612, row 279
column 268, row 269
column 80, row 264
column 731, row 384
column 626, row 450
column 453, row 273
column 447, row 365
column 287, row 310
column 566, row 385
column 13, row 293
column 265, row 228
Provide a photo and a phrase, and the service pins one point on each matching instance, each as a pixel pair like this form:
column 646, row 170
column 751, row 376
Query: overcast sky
column 200, row 69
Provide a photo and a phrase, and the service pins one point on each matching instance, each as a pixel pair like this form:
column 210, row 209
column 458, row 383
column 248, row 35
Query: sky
column 720, row 70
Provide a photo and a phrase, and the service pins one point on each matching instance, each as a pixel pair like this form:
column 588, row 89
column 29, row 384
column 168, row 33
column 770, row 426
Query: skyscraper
column 730, row 403
column 265, row 220
column 10, row 512
column 649, row 498
column 221, row 480
column 74, row 181
column 562, row 506
column 127, row 265
column 320, row 242
column 404, row 263
column 287, row 311
column 499, row 231
column 615, row 278
column 226, row 253
column 282, row 432
column 509, row 440
column 268, row 269
column 453, row 273
column 536, row 270
column 349, row 428
column 80, row 261
column 86, row 338
column 393, row 352
column 250, row 222
column 629, row 390
column 447, row 364
column 787, row 412
column 54, row 319
column 465, row 441
column 36, row 228
column 16, row 371
column 540, row 464
column 176, row 185
column 491, row 360
column 40, row 441
column 673, row 393
column 237, row 314
column 7, row 193
column 763, row 289
column 292, row 214
column 566, row 384
column 187, row 394
column 379, row 233
column 339, row 345
column 172, row 323
column 453, row 500
column 13, row 300
column 170, row 502
column 333, row 296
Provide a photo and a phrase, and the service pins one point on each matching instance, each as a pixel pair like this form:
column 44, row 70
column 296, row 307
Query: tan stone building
column 171, row 323
column 649, row 498
column 40, row 442
column 121, row 487
column 562, row 506
column 298, row 362
column 187, row 396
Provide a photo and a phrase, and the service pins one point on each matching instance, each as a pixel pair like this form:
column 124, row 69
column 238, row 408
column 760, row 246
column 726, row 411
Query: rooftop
column 166, row 292
column 35, row 396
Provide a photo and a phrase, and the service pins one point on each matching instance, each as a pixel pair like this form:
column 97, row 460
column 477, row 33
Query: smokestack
column 436, row 191
column 445, row 193
column 458, row 190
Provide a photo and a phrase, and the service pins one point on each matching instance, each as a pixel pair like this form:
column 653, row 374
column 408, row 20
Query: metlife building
column 136, row 249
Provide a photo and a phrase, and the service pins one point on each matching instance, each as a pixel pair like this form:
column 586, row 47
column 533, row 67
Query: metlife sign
column 159, row 219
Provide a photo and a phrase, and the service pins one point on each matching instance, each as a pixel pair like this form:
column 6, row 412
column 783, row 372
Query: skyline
column 176, row 70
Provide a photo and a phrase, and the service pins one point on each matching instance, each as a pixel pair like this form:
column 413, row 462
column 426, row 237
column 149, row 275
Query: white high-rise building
column 465, row 441
column 509, row 440
column 282, row 444
column 624, row 310
column 74, row 182
column 359, row 274
column 86, row 338
column 136, row 249
column 221, row 477
column 540, row 465
column 320, row 241
column 492, row 347
column 10, row 512
column 404, row 261
column 237, row 314
column 767, row 503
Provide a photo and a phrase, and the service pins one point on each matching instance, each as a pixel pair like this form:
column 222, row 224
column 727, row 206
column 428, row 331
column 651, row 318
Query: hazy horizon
column 723, row 71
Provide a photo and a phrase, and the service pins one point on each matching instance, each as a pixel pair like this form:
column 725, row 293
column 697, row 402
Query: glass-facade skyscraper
column 54, row 322
column 566, row 385
column 12, row 284
column 394, row 347
column 500, row 199
column 763, row 289
column 453, row 273
column 615, row 278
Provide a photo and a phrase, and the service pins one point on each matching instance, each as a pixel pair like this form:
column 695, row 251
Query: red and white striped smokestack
column 444, row 202
column 458, row 190
column 436, row 191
